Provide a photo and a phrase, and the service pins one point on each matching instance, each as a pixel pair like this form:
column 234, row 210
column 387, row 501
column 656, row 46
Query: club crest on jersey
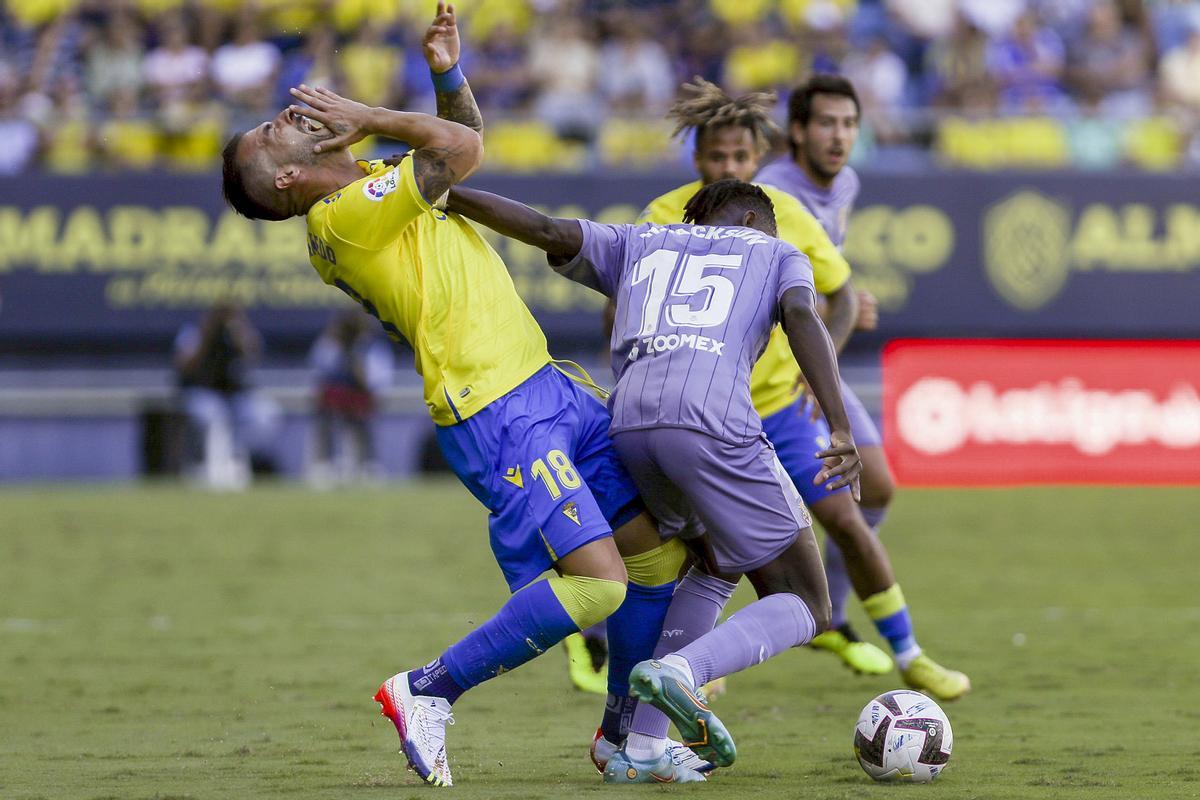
column 571, row 510
column 379, row 187
column 513, row 476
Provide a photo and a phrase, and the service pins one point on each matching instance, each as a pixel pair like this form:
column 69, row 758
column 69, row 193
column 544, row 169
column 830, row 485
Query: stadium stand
column 152, row 84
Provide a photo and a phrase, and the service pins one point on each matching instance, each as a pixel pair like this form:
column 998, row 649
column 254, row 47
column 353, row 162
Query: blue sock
column 531, row 622
column 889, row 611
column 633, row 632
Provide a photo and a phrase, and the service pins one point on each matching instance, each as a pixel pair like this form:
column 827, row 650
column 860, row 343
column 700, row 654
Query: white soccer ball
column 903, row 736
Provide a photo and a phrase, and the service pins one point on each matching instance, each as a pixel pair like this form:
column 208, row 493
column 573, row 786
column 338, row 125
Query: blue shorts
column 539, row 458
column 797, row 437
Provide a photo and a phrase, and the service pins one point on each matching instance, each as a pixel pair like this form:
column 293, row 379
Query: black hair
column 233, row 185
column 801, row 100
column 706, row 203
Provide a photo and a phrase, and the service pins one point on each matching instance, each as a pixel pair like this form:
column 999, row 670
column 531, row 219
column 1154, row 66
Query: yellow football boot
column 930, row 677
column 862, row 657
column 586, row 665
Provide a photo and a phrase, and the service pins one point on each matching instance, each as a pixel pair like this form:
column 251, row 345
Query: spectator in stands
column 17, row 131
column 500, row 76
column 957, row 70
column 175, row 71
column 114, row 59
column 880, row 78
column 315, row 63
column 1028, row 66
column 372, row 70
column 227, row 421
column 1108, row 65
column 1180, row 72
column 352, row 364
column 635, row 72
column 244, row 70
column 564, row 63
column 762, row 59
column 128, row 138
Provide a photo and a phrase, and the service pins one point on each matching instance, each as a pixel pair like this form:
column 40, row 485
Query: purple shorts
column 739, row 494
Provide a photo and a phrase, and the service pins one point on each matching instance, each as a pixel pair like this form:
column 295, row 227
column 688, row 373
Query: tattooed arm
column 455, row 101
column 444, row 152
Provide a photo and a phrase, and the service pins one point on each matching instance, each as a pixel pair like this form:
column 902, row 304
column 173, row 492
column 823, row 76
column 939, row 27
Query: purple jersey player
column 695, row 305
column 823, row 116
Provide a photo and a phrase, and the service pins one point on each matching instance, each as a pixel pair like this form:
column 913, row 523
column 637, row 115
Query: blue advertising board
column 126, row 259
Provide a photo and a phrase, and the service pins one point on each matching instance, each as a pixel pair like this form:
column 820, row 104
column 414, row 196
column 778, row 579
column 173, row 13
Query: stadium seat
column 1155, row 143
column 529, row 146
column 741, row 12
column 635, row 143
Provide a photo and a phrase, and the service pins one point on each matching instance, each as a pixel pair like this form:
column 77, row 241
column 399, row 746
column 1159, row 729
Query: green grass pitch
column 158, row 643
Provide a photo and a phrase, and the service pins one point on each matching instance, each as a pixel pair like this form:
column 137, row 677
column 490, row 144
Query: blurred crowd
column 569, row 84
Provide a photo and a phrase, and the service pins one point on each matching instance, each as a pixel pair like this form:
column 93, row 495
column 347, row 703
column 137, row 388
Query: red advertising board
column 1011, row 412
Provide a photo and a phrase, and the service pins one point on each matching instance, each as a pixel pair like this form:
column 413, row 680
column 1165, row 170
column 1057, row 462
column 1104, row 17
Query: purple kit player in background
column 695, row 305
column 823, row 119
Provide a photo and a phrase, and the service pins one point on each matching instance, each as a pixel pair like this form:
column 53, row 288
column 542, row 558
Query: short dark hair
column 800, row 102
column 711, row 199
column 233, row 185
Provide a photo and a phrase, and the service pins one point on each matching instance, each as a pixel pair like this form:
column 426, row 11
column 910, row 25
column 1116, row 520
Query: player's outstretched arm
column 442, row 48
column 560, row 238
column 814, row 353
column 444, row 152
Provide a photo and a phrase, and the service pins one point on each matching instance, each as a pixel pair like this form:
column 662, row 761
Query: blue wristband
column 449, row 80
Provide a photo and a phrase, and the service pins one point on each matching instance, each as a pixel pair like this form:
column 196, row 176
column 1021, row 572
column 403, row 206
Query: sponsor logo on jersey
column 513, row 476
column 675, row 341
column 379, row 187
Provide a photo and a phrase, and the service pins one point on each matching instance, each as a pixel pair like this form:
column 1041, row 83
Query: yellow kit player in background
column 731, row 136
column 528, row 442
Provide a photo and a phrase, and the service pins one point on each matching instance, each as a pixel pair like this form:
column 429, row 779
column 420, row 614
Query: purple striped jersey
column 830, row 206
column 695, row 306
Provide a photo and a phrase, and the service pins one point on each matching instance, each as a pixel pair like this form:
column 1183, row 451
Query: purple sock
column 694, row 610
column 759, row 631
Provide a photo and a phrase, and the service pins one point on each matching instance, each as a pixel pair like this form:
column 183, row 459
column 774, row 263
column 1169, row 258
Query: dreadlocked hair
column 712, row 199
column 706, row 106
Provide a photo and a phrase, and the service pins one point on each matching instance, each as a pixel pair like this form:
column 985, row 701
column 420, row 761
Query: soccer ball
column 903, row 736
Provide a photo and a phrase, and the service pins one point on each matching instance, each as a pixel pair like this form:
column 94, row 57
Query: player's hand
column 347, row 120
column 842, row 464
column 868, row 312
column 440, row 43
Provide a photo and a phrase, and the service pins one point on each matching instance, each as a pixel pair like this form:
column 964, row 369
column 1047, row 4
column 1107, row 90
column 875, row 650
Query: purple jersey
column 695, row 305
column 830, row 206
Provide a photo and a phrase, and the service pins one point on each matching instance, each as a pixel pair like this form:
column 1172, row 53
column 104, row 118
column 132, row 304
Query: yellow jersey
column 775, row 377
column 430, row 278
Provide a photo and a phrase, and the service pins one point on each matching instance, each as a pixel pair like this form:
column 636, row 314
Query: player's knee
column 821, row 609
column 878, row 485
column 844, row 523
column 588, row 600
column 658, row 566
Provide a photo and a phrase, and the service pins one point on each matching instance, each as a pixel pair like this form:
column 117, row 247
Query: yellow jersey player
column 528, row 442
column 731, row 136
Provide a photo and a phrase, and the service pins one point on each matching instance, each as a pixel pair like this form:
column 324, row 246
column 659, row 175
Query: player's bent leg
column 889, row 610
column 878, row 485
column 652, row 566
column 797, row 436
column 694, row 609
